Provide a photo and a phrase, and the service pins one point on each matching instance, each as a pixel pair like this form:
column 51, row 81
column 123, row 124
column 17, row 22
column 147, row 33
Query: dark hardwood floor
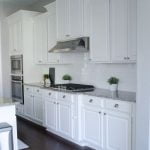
column 39, row 139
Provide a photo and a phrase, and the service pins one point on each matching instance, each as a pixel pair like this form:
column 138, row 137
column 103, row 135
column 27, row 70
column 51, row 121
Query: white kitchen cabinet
column 106, row 124
column 28, row 105
column 33, row 103
column 96, row 25
column 65, row 119
column 92, row 126
column 50, row 114
column 123, row 30
column 40, row 39
column 117, row 131
column 69, row 19
column 38, row 108
column 15, row 38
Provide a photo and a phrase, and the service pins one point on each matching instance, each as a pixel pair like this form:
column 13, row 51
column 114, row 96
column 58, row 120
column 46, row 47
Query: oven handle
column 17, row 81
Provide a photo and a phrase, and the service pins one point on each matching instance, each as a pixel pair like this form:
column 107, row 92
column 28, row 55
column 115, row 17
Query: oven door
column 17, row 91
column 16, row 65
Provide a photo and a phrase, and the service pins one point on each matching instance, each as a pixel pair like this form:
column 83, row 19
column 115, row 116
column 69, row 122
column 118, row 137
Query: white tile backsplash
column 98, row 74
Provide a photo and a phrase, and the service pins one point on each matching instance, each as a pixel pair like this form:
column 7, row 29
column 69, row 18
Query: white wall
column 98, row 74
column 143, row 76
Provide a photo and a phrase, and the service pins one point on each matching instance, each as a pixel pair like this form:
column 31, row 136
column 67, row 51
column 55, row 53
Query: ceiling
column 7, row 7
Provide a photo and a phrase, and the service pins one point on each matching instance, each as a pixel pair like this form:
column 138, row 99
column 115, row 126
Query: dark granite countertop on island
column 104, row 93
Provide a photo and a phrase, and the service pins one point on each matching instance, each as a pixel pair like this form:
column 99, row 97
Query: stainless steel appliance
column 6, row 137
column 17, row 89
column 17, row 64
column 74, row 45
column 73, row 87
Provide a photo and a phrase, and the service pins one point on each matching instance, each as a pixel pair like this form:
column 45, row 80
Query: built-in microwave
column 17, row 64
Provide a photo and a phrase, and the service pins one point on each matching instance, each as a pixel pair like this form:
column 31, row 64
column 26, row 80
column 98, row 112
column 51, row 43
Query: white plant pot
column 113, row 87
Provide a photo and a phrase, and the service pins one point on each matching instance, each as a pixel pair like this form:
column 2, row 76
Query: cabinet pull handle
column 57, row 103
column 116, row 105
column 37, row 90
column 49, row 94
column 27, row 88
column 67, row 35
column 99, row 112
column 91, row 100
column 105, row 114
column 64, row 96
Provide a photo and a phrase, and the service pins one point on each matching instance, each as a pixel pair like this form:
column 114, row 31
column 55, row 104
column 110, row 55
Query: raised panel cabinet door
column 97, row 26
column 117, row 131
column 40, row 39
column 28, row 105
column 119, row 29
column 52, row 57
column 92, row 126
column 50, row 114
column 65, row 126
column 11, row 39
column 62, row 19
column 38, row 108
column 132, row 30
column 76, row 18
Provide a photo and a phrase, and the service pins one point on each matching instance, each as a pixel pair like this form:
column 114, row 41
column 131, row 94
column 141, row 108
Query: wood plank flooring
column 39, row 139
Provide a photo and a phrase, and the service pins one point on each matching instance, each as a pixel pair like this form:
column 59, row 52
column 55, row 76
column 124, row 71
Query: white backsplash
column 98, row 74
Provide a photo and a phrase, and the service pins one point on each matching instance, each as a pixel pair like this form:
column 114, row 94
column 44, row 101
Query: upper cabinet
column 15, row 38
column 123, row 30
column 97, row 27
column 111, row 25
column 69, row 19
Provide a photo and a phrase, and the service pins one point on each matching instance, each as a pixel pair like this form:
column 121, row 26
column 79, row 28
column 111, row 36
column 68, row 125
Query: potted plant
column 67, row 77
column 113, row 81
column 46, row 79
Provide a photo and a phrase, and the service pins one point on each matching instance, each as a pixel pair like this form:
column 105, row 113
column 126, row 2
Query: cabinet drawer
column 50, row 94
column 37, row 91
column 93, row 101
column 118, row 106
column 64, row 97
column 28, row 89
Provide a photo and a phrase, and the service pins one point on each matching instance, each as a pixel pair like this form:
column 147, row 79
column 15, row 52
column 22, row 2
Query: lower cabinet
column 106, row 128
column 64, row 119
column 58, row 116
column 92, row 126
column 117, row 128
column 50, row 113
column 33, row 104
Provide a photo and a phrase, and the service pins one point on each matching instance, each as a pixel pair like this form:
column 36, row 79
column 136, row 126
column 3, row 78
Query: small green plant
column 45, row 76
column 67, row 77
column 113, row 80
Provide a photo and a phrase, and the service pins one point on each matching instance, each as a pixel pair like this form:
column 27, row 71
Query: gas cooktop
column 73, row 87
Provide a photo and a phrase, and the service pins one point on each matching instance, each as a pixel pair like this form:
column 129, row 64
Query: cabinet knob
column 99, row 112
column 57, row 103
column 27, row 88
column 91, row 100
column 37, row 90
column 105, row 114
column 64, row 96
column 116, row 105
column 54, row 102
column 15, row 50
column 49, row 94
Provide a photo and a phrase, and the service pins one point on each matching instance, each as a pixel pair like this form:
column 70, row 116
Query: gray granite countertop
column 6, row 102
column 104, row 93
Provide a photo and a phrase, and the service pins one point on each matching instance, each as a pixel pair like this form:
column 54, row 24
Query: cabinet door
column 28, row 105
column 15, row 38
column 75, row 18
column 40, row 39
column 97, row 26
column 62, row 19
column 65, row 119
column 92, row 126
column 117, row 131
column 118, row 29
column 38, row 108
column 52, row 57
column 50, row 114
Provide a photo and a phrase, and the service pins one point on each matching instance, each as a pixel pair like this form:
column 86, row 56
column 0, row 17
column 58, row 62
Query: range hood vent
column 74, row 45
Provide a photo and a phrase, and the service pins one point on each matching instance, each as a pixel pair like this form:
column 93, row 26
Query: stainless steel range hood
column 74, row 45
